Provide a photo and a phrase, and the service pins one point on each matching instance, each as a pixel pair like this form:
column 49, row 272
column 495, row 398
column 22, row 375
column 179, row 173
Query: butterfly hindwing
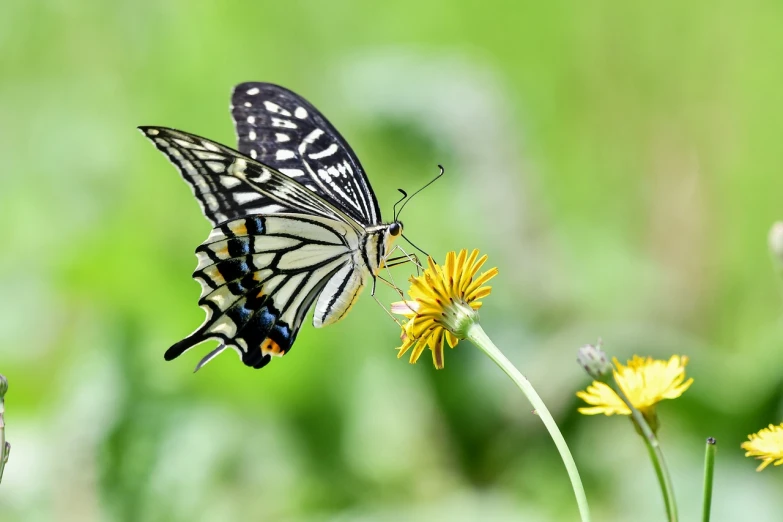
column 283, row 130
column 260, row 275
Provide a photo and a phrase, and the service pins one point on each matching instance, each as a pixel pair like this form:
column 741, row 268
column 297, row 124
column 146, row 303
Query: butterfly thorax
column 378, row 243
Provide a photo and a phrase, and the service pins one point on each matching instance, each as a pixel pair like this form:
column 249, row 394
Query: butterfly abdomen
column 339, row 295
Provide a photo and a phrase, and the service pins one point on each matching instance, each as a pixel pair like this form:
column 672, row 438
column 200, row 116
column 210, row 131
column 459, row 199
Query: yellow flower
column 444, row 304
column 766, row 445
column 645, row 382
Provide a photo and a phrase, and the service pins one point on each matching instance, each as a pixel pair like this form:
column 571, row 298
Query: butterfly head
column 395, row 229
column 381, row 244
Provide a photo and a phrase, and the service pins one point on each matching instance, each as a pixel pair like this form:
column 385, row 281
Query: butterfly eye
column 395, row 229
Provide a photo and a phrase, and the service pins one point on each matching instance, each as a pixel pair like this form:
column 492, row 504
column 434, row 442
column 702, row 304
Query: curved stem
column 709, row 470
column 5, row 448
column 656, row 454
column 479, row 338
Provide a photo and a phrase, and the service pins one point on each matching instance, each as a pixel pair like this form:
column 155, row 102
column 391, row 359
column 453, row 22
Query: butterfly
column 295, row 223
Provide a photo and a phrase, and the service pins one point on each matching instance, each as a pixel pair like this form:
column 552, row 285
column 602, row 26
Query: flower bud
column 594, row 361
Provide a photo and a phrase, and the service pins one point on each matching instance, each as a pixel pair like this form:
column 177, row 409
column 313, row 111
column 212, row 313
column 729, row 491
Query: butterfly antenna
column 414, row 246
column 433, row 180
column 394, row 208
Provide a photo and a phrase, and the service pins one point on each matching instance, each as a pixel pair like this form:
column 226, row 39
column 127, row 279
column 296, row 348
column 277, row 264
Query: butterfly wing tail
column 252, row 327
column 194, row 339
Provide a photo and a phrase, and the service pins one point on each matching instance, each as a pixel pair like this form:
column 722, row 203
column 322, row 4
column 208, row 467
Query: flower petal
column 406, row 308
column 643, row 380
column 443, row 301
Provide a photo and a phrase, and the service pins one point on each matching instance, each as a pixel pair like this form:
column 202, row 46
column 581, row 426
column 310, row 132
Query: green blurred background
column 620, row 163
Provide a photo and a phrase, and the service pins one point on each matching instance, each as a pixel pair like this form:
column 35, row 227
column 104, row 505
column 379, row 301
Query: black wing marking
column 229, row 185
column 283, row 130
column 259, row 276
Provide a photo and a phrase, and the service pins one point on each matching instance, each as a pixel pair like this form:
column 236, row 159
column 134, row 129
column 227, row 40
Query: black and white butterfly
column 295, row 223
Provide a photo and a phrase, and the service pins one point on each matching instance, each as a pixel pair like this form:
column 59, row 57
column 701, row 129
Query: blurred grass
column 620, row 163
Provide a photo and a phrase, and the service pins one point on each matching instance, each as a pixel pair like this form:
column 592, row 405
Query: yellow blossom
column 444, row 303
column 766, row 445
column 645, row 382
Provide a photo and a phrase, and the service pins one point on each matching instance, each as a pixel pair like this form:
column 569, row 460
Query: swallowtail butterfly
column 295, row 222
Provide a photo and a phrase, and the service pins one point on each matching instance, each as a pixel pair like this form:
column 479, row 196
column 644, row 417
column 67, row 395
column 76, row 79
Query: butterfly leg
column 387, row 311
column 395, row 261
column 211, row 355
column 404, row 258
column 390, row 284
column 391, row 262
column 395, row 288
column 401, row 260
column 401, row 295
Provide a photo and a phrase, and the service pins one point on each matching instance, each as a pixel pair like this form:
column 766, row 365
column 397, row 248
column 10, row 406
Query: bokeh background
column 619, row 162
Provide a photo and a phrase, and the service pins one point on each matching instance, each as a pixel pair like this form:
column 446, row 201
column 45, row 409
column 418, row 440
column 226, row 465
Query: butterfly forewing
column 282, row 130
column 229, row 185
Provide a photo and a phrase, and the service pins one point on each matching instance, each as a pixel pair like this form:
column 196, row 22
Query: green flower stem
column 656, row 454
column 479, row 338
column 5, row 448
column 709, row 469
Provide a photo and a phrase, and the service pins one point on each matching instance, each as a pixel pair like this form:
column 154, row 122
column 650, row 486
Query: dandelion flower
column 766, row 445
column 444, row 303
column 645, row 382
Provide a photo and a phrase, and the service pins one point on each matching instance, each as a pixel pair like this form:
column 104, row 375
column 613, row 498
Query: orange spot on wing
column 238, row 228
column 269, row 346
column 214, row 274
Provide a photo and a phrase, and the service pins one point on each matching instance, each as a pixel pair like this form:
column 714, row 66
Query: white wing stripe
column 293, row 311
column 245, row 197
column 309, row 230
column 309, row 255
column 292, row 173
column 331, row 149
